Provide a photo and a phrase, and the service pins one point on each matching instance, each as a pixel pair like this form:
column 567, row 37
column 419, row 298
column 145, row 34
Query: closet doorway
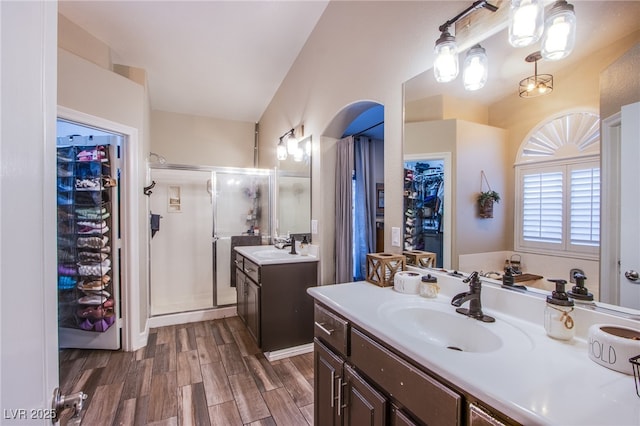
column 195, row 214
column 90, row 167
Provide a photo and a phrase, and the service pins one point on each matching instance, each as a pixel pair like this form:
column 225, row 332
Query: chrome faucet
column 473, row 297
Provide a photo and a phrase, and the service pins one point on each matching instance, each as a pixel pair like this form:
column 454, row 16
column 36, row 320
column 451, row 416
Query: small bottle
column 429, row 286
column 558, row 322
column 304, row 246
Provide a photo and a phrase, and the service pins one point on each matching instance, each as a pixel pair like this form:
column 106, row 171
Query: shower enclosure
column 194, row 212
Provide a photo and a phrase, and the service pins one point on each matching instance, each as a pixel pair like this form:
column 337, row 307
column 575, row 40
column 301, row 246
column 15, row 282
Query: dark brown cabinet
column 273, row 302
column 342, row 397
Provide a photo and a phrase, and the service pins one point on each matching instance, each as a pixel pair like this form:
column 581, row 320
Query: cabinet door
column 363, row 404
column 253, row 309
column 241, row 291
column 327, row 368
column 399, row 418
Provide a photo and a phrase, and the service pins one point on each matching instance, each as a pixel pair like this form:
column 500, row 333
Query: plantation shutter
column 585, row 206
column 542, row 207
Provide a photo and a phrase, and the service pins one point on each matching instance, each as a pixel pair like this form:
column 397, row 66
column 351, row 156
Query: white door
column 28, row 305
column 630, row 207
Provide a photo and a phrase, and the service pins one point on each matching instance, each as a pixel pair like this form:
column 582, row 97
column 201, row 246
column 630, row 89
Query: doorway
column 364, row 142
column 89, row 235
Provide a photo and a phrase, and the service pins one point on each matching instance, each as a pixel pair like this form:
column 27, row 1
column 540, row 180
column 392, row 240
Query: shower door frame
column 215, row 170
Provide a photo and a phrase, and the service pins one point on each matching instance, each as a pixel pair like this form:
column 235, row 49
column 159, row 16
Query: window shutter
column 585, row 206
column 542, row 207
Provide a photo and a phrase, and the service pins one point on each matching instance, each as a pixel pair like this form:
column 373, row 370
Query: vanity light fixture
column 526, row 22
column 476, row 67
column 560, row 31
column 537, row 84
column 282, row 150
column 445, row 66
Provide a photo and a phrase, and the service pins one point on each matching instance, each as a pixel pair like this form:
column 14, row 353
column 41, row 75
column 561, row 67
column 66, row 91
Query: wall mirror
column 293, row 193
column 427, row 102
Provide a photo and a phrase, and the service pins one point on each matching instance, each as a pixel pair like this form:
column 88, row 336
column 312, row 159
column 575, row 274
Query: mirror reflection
column 493, row 138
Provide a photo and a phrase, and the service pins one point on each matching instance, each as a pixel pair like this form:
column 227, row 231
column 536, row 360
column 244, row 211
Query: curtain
column 344, row 207
column 364, row 215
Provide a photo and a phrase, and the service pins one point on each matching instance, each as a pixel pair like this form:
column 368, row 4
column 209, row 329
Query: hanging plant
column 486, row 199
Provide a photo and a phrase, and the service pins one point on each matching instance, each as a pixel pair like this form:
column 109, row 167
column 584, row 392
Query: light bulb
column 292, row 144
column 281, row 151
column 526, row 21
column 445, row 66
column 560, row 33
column 475, row 68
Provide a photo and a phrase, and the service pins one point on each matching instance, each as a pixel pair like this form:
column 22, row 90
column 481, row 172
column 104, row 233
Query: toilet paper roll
column 406, row 282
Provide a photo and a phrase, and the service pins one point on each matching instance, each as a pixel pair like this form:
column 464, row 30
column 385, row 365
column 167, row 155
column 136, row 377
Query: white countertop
column 545, row 382
column 270, row 255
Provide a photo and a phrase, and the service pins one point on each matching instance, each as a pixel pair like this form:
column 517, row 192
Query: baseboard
column 288, row 352
column 188, row 317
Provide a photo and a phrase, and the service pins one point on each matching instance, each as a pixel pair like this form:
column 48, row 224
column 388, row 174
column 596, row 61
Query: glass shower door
column 181, row 257
column 241, row 208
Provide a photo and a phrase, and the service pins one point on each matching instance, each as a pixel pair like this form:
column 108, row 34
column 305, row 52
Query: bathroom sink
column 273, row 253
column 440, row 325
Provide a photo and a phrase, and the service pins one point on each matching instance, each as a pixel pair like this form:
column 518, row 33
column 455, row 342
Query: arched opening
column 358, row 192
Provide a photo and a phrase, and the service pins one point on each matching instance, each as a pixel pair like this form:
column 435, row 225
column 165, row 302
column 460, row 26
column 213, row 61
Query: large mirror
column 483, row 132
column 293, row 193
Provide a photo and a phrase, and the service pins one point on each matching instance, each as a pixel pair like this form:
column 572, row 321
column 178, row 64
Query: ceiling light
column 445, row 66
column 475, row 71
column 537, row 84
column 560, row 31
column 526, row 22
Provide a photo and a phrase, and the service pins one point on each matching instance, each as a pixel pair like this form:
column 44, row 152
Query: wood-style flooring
column 205, row 373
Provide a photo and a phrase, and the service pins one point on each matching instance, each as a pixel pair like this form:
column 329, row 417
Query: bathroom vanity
column 403, row 359
column 271, row 286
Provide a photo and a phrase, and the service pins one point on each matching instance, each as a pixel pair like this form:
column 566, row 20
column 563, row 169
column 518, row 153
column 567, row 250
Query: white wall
column 206, row 141
column 28, row 291
column 90, row 89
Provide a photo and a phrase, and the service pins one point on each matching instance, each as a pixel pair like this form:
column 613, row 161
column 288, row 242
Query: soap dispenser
column 304, row 246
column 558, row 321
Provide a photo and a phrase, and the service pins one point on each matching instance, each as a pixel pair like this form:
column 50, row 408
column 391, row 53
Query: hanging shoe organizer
column 85, row 286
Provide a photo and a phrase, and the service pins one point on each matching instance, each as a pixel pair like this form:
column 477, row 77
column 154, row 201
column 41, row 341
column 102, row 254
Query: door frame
column 129, row 224
column 610, row 134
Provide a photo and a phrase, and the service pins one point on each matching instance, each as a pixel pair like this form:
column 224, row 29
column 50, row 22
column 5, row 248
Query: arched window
column 557, row 172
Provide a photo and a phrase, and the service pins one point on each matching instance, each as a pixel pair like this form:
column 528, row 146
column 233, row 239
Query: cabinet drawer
column 238, row 260
column 429, row 400
column 331, row 329
column 252, row 270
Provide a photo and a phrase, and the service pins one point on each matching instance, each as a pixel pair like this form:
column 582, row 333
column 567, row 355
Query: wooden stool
column 381, row 267
column 425, row 259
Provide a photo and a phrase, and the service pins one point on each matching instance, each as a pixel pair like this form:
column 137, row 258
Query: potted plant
column 485, row 203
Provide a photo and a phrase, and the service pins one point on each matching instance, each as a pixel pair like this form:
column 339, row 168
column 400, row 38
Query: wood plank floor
column 205, row 373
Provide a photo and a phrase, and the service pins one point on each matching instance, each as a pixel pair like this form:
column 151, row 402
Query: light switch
column 314, row 226
column 395, row 236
